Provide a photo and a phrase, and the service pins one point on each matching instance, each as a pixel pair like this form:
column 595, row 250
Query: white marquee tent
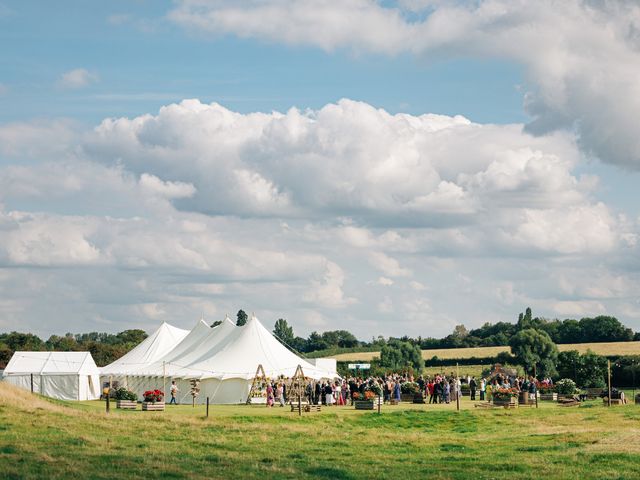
column 225, row 359
column 62, row 375
column 154, row 347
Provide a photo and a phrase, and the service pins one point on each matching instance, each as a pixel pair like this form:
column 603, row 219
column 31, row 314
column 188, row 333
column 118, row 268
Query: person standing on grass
column 269, row 395
column 447, row 391
column 280, row 394
column 328, row 394
column 174, row 392
column 472, row 387
column 483, row 385
column 317, row 393
column 397, row 391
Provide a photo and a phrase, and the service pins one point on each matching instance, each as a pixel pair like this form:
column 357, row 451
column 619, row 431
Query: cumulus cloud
column 77, row 78
column 346, row 213
column 581, row 58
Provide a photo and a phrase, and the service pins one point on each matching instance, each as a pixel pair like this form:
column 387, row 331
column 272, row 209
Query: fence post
column 207, row 407
column 32, row 383
column 108, row 406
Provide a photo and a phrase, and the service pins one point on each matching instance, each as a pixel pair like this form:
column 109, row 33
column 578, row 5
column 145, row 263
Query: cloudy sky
column 385, row 167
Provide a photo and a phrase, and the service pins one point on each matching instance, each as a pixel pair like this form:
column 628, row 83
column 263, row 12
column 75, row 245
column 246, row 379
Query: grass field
column 47, row 439
column 610, row 348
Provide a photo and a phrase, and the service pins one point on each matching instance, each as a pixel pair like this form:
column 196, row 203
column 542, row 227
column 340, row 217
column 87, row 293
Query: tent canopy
column 51, row 363
column 154, row 347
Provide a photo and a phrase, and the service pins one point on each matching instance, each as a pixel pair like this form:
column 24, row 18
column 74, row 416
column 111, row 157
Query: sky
column 389, row 168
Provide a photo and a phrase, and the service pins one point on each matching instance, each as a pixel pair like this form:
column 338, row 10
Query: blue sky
column 331, row 213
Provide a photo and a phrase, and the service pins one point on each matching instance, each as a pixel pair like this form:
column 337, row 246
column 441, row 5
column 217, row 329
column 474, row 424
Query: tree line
column 106, row 347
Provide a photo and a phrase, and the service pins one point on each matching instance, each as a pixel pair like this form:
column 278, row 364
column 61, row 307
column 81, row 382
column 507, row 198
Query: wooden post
column 609, row 382
column 299, row 405
column 458, row 392
column 207, row 407
column 32, row 383
column 164, row 378
column 108, row 406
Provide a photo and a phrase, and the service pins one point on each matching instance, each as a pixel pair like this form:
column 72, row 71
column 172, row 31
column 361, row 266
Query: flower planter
column 363, row 404
column 551, row 396
column 418, row 398
column 406, row 397
column 149, row 406
column 562, row 396
column 126, row 404
column 638, row 399
column 506, row 402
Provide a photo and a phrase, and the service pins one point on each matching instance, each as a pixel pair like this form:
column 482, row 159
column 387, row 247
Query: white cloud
column 385, row 281
column 581, row 58
column 77, row 78
column 155, row 186
column 388, row 265
column 3, row 89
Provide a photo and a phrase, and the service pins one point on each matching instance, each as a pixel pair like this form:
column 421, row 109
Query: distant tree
column 397, row 355
column 62, row 344
column 5, row 354
column 23, row 341
column 525, row 321
column 532, row 348
column 242, row 318
column 284, row 332
column 316, row 342
column 570, row 331
column 216, row 323
column 604, row 328
column 568, row 364
column 592, row 371
column 134, row 336
column 300, row 344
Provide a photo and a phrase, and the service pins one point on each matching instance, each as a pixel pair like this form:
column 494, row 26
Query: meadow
column 41, row 438
column 606, row 348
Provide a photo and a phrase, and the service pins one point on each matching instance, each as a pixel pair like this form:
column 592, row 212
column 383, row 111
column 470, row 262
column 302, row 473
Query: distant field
column 59, row 440
column 612, row 348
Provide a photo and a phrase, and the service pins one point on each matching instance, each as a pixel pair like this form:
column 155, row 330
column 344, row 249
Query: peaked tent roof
column 154, row 347
column 239, row 353
column 51, row 363
column 186, row 347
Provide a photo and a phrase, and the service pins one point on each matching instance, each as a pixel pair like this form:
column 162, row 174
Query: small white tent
column 62, row 375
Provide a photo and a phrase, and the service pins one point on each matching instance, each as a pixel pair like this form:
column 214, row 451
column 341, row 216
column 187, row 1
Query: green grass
column 48, row 439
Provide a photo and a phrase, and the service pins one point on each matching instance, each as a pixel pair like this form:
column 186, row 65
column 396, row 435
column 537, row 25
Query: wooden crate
column 126, row 404
column 363, row 404
column 153, row 407
column 549, row 397
column 510, row 403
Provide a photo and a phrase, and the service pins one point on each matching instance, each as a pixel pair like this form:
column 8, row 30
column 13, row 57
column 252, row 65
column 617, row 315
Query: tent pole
column 164, row 377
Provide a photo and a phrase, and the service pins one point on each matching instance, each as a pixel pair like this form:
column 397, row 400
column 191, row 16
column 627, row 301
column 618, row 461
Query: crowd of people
column 440, row 388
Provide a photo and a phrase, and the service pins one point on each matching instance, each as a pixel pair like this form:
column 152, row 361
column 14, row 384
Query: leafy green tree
column 284, row 332
column 134, row 336
column 62, row 344
column 534, row 348
column 592, row 371
column 316, row 342
column 216, row 323
column 397, row 355
column 23, row 341
column 604, row 328
column 242, row 318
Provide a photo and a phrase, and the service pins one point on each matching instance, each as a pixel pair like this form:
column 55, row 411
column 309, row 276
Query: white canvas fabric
column 153, row 348
column 62, row 375
column 224, row 358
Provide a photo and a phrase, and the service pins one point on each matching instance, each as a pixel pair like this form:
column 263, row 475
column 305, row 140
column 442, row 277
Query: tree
column 216, row 323
column 242, row 318
column 535, row 350
column 397, row 355
column 604, row 329
column 134, row 336
column 316, row 342
column 284, row 332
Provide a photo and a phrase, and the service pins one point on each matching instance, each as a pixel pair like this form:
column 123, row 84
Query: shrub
column 566, row 386
column 409, row 388
column 123, row 393
column 153, row 396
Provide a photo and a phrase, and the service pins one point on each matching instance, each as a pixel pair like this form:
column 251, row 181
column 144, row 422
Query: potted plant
column 547, row 392
column 505, row 397
column 408, row 391
column 566, row 388
column 126, row 399
column 364, row 401
column 153, row 400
